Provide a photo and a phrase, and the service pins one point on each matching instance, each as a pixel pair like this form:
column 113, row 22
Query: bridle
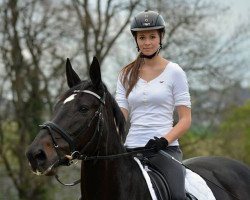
column 74, row 153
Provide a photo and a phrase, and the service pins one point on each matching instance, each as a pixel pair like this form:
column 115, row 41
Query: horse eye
column 83, row 109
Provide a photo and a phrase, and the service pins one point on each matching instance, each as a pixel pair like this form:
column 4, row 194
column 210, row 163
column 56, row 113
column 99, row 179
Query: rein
column 75, row 154
column 137, row 153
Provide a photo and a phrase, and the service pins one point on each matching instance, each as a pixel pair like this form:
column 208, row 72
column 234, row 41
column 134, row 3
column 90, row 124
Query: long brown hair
column 130, row 74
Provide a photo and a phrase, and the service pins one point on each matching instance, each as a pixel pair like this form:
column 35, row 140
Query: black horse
column 87, row 124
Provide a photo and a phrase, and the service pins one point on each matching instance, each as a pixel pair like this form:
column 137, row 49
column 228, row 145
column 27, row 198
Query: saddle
column 160, row 185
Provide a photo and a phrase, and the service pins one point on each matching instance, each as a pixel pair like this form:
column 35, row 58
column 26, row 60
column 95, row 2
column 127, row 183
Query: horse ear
column 95, row 73
column 72, row 77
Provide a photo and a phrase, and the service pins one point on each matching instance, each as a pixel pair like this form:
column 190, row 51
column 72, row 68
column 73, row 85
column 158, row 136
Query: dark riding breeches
column 171, row 170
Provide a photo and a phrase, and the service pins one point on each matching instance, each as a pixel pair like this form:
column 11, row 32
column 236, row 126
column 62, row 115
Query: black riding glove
column 157, row 143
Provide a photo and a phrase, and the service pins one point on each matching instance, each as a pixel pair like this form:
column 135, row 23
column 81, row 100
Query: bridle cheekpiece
column 75, row 154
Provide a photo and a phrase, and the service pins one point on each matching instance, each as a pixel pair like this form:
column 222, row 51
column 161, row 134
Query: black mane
column 119, row 117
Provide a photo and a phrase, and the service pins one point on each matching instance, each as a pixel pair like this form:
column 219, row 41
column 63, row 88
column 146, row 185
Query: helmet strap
column 152, row 55
column 149, row 56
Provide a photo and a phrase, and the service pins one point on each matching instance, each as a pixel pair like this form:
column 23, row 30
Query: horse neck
column 98, row 175
column 118, row 178
column 108, row 179
column 111, row 138
column 113, row 179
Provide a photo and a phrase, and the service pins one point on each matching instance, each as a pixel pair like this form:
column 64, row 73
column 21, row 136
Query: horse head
column 86, row 121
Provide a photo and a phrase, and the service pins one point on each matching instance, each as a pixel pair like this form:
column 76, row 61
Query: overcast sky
column 239, row 11
column 240, row 14
column 239, row 7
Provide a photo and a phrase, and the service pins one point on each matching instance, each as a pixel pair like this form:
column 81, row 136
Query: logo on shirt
column 161, row 81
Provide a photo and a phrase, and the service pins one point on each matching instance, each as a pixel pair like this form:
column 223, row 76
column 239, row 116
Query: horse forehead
column 70, row 98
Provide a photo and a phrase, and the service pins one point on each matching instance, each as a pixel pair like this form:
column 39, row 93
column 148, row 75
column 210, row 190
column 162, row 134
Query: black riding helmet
column 148, row 20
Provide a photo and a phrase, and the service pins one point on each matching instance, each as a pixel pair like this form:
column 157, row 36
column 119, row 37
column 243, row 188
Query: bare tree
column 102, row 24
column 24, row 38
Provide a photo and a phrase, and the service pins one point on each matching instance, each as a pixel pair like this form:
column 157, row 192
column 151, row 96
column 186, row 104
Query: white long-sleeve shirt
column 151, row 104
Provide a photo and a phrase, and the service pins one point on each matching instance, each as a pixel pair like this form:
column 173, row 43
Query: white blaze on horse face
column 38, row 173
column 70, row 98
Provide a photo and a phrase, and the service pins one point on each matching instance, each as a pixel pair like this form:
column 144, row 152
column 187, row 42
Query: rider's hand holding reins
column 157, row 143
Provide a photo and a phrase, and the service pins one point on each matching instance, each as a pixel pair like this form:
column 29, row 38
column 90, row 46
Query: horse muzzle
column 39, row 162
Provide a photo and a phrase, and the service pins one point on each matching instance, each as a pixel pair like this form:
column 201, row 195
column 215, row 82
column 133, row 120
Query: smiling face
column 148, row 41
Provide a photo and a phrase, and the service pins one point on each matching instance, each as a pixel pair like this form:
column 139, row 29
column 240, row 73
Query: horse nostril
column 40, row 155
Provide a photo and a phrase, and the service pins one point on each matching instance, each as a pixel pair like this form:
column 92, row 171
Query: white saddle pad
column 194, row 184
